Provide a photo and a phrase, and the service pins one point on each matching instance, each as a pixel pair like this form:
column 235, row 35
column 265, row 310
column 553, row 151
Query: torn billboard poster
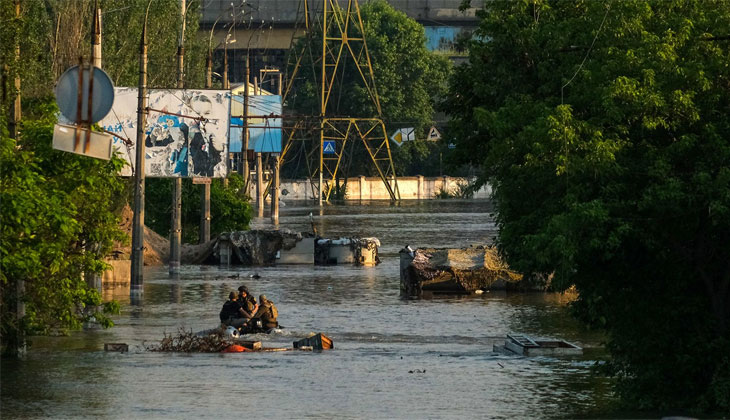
column 264, row 131
column 186, row 134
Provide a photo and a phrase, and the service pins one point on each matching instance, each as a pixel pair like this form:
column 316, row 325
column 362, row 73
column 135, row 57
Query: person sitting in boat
column 267, row 313
column 248, row 302
column 232, row 314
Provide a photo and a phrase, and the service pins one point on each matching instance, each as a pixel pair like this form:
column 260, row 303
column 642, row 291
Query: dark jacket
column 230, row 310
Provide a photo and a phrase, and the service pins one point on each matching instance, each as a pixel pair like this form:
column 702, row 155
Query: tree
column 409, row 79
column 58, row 211
column 58, row 221
column 230, row 209
column 57, row 32
column 603, row 128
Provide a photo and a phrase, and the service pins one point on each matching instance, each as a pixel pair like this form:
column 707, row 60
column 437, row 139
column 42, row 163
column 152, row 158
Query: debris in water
column 189, row 342
column 316, row 342
column 120, row 347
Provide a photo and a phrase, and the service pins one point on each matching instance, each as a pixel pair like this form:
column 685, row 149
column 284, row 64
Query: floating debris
column 315, row 342
column 120, row 347
column 427, row 271
column 526, row 346
column 189, row 342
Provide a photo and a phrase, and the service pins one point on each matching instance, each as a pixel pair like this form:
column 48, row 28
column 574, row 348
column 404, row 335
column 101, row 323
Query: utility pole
column 176, row 226
column 245, row 171
column 259, row 166
column 137, row 280
column 204, row 233
column 93, row 280
column 323, row 104
column 225, row 87
column 225, row 64
column 259, row 184
column 275, row 190
column 96, row 37
column 275, row 175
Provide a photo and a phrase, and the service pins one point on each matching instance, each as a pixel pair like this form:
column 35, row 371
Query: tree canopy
column 604, row 130
column 58, row 211
column 58, row 221
column 230, row 207
column 57, row 32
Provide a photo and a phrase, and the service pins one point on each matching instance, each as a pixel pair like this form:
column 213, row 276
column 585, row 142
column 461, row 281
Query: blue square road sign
column 328, row 147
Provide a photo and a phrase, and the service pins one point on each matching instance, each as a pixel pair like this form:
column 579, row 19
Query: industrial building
column 265, row 28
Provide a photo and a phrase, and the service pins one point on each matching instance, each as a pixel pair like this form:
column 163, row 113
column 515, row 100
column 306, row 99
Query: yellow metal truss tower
column 343, row 38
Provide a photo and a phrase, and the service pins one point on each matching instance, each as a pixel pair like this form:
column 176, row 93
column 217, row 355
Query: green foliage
column 52, row 35
column 603, row 128
column 462, row 190
column 408, row 77
column 57, row 222
column 418, row 157
column 122, row 30
column 229, row 209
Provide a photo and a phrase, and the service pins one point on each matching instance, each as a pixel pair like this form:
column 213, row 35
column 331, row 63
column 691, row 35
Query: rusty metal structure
column 343, row 40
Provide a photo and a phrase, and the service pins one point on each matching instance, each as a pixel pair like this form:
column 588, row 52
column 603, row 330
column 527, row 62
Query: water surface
column 393, row 358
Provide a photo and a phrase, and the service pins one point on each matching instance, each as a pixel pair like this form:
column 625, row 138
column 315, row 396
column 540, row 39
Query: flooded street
column 393, row 358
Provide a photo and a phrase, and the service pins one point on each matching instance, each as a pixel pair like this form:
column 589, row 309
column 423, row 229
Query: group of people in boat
column 241, row 311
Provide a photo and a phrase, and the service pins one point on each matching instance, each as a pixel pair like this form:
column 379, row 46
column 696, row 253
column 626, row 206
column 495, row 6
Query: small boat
column 523, row 345
column 255, row 327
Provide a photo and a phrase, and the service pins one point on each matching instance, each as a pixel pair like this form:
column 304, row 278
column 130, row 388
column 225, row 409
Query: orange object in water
column 235, row 348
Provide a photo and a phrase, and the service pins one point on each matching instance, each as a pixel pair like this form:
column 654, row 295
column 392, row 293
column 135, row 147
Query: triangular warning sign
column 434, row 134
column 329, row 147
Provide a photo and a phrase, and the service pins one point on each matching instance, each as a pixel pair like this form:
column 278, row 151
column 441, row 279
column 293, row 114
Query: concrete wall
column 115, row 281
column 372, row 188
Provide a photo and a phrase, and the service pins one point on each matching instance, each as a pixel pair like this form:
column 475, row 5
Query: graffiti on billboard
column 186, row 134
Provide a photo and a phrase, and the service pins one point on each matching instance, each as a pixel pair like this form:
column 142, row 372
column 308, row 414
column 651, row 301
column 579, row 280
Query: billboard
column 186, row 133
column 264, row 133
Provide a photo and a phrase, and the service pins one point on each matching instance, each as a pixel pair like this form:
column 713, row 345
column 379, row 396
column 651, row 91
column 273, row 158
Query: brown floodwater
column 393, row 358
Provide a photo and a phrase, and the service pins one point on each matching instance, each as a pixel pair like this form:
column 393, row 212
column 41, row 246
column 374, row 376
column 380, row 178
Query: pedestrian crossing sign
column 329, row 147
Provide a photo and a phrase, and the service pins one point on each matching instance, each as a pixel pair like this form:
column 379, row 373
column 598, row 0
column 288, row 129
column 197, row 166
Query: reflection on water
column 382, row 343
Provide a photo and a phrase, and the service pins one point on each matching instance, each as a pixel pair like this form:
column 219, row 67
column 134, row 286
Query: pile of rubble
column 465, row 270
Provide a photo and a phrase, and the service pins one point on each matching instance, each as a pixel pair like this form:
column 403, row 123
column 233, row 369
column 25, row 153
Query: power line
column 587, row 53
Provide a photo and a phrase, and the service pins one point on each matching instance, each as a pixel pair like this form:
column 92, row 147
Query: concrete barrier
column 115, row 281
column 372, row 188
